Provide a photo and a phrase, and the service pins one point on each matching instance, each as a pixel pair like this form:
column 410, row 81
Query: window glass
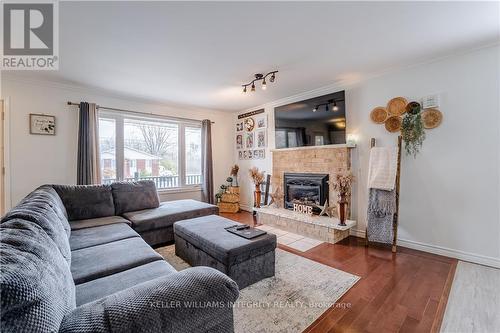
column 107, row 149
column 193, row 155
column 149, row 148
column 151, row 152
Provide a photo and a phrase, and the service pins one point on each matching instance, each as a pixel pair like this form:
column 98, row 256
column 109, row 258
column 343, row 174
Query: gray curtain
column 88, row 168
column 207, row 185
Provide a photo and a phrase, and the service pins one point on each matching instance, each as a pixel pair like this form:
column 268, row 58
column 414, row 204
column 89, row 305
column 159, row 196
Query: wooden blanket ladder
column 398, row 180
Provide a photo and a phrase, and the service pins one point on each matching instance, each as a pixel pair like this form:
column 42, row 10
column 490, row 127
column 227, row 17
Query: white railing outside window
column 165, row 151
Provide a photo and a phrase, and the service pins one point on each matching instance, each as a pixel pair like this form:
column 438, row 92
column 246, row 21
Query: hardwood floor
column 403, row 292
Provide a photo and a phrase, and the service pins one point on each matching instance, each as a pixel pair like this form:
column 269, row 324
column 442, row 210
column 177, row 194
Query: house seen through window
column 138, row 148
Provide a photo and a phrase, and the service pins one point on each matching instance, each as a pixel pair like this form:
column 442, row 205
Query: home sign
column 304, row 209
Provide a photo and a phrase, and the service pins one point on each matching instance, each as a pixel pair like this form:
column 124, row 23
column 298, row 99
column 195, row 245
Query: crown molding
column 348, row 84
column 84, row 89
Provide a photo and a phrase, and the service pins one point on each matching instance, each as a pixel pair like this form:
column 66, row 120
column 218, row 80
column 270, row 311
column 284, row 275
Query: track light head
column 335, row 107
column 272, row 78
column 315, row 109
column 244, row 89
column 264, row 84
column 253, row 87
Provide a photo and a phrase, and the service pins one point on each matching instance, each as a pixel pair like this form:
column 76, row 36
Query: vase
column 342, row 206
column 257, row 196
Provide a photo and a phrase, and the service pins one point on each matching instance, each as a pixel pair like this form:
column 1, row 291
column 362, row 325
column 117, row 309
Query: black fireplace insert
column 305, row 188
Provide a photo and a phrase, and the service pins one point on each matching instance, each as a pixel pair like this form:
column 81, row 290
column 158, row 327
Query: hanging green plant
column 413, row 133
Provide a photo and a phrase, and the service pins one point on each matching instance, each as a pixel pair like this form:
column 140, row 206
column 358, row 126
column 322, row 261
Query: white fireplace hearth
column 322, row 228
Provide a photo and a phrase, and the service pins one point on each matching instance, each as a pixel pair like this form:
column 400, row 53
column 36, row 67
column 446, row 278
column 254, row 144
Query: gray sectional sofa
column 72, row 259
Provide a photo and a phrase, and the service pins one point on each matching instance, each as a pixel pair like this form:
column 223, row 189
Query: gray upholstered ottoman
column 203, row 241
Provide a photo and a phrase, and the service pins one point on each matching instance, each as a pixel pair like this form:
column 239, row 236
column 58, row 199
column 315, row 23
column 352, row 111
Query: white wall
column 450, row 192
column 36, row 160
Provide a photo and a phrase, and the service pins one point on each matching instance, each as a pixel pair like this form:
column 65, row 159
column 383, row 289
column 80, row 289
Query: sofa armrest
column 198, row 299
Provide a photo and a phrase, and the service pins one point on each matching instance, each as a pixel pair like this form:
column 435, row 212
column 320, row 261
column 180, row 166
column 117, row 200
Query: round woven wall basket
column 397, row 106
column 393, row 124
column 432, row 118
column 379, row 115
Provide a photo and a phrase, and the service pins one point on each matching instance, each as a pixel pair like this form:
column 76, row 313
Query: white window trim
column 120, row 117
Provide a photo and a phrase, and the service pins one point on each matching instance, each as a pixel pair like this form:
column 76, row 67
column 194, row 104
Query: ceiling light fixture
column 327, row 105
column 335, row 107
column 260, row 77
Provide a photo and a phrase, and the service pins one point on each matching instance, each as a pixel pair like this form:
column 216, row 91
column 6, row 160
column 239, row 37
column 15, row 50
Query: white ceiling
column 200, row 53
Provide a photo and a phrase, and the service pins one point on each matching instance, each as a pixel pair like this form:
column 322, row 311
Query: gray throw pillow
column 84, row 202
column 134, row 196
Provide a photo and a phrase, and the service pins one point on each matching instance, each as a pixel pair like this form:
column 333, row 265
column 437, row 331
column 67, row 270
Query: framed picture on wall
column 249, row 140
column 261, row 138
column 41, row 124
column 262, row 121
column 239, row 141
column 249, row 124
column 239, row 126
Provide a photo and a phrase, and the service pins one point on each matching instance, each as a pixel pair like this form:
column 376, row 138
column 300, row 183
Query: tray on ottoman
column 203, row 241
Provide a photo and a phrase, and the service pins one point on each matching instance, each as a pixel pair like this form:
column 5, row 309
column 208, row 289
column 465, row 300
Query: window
column 193, row 155
column 155, row 148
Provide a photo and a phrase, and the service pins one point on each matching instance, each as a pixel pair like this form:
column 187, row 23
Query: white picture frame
column 249, row 140
column 261, row 121
column 239, row 141
column 41, row 124
column 261, row 138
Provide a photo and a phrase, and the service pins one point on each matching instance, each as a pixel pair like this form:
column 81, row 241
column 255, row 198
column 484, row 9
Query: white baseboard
column 246, row 208
column 357, row 232
column 443, row 251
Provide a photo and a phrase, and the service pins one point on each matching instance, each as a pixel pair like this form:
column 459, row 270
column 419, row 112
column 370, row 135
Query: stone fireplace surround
column 329, row 160
column 322, row 160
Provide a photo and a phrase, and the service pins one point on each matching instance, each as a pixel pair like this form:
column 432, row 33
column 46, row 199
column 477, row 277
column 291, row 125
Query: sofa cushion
column 102, row 260
column 91, row 223
column 132, row 196
column 168, row 213
column 86, row 201
column 44, row 208
column 105, row 286
column 208, row 234
column 37, row 288
column 88, row 237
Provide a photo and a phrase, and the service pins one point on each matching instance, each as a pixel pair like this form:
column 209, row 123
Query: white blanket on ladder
column 382, row 168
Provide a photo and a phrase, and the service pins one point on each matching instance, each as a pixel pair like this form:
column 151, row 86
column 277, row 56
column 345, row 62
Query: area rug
column 290, row 301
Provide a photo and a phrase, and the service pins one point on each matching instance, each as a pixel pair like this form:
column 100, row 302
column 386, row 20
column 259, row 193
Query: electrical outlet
column 431, row 101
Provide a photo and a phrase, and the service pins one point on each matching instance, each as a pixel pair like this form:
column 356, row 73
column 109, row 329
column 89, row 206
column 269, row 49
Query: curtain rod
column 138, row 112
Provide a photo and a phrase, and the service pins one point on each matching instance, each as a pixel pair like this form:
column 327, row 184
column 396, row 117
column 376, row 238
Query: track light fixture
column 327, row 105
column 260, row 77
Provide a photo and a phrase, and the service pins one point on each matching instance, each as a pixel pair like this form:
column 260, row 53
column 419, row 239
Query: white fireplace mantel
column 344, row 145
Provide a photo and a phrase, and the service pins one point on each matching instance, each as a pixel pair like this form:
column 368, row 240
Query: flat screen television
column 314, row 122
